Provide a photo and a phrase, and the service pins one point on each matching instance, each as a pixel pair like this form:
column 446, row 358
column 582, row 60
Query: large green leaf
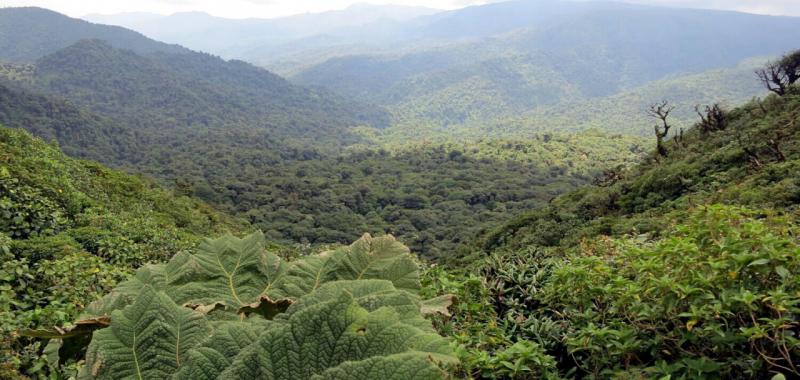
column 239, row 273
column 233, row 310
column 148, row 339
column 368, row 258
column 327, row 335
column 229, row 270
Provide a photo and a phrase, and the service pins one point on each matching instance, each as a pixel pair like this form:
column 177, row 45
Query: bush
column 717, row 297
column 24, row 212
column 40, row 248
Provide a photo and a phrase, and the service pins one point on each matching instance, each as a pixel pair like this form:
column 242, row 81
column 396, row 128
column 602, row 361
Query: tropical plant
column 234, row 310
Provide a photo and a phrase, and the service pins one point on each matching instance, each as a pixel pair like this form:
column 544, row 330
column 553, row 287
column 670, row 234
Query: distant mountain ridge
column 27, row 34
column 230, row 37
column 501, row 60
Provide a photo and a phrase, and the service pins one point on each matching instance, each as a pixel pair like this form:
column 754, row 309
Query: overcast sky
column 277, row 8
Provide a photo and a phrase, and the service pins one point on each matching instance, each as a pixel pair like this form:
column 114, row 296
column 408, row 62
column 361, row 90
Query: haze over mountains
column 229, row 37
column 508, row 60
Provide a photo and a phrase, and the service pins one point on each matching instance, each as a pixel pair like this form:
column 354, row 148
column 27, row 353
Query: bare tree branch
column 661, row 112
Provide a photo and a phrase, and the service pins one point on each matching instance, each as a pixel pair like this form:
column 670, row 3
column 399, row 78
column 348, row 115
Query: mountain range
column 229, row 37
column 147, row 85
column 507, row 146
column 484, row 65
column 532, row 87
column 301, row 163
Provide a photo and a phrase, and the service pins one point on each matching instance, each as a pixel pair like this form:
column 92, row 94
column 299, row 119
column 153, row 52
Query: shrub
column 24, row 212
column 717, row 297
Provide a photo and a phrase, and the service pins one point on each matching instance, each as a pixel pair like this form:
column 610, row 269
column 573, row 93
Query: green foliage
column 211, row 129
column 705, row 168
column 24, row 212
column 433, row 197
column 714, row 298
column 658, row 271
column 234, row 310
column 69, row 232
column 488, row 347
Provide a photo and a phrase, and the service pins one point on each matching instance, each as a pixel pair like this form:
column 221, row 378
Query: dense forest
column 483, row 203
column 302, row 165
column 432, row 196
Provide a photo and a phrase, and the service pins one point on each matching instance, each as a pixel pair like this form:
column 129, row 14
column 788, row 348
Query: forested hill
column 168, row 100
column 27, row 34
column 164, row 86
column 167, row 90
column 538, row 55
column 748, row 157
column 80, row 132
column 684, row 266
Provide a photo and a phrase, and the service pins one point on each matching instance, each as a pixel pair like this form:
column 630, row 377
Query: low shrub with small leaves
column 718, row 297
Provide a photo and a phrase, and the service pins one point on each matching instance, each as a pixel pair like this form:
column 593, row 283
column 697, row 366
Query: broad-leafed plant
column 233, row 310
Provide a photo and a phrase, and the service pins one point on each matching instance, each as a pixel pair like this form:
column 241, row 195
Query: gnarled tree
column 712, row 119
column 661, row 112
column 778, row 76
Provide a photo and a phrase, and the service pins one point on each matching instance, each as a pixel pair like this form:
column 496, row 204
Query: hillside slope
column 163, row 85
column 705, row 168
column 80, row 132
column 70, row 230
column 197, row 90
column 682, row 266
column 167, row 113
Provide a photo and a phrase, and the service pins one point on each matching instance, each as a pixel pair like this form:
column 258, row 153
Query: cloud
column 770, row 7
column 276, row 8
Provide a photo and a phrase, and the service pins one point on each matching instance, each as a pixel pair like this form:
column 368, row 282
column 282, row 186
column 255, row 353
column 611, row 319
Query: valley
column 468, row 193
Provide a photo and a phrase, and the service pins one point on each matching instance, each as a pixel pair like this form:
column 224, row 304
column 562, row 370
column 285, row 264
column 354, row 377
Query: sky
column 279, row 8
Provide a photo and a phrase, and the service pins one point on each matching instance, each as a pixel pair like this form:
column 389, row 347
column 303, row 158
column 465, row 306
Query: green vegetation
column 299, row 164
column 233, row 311
column 70, row 230
column 555, row 65
column 163, row 95
column 81, row 133
column 46, row 32
column 685, row 266
column 432, row 197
